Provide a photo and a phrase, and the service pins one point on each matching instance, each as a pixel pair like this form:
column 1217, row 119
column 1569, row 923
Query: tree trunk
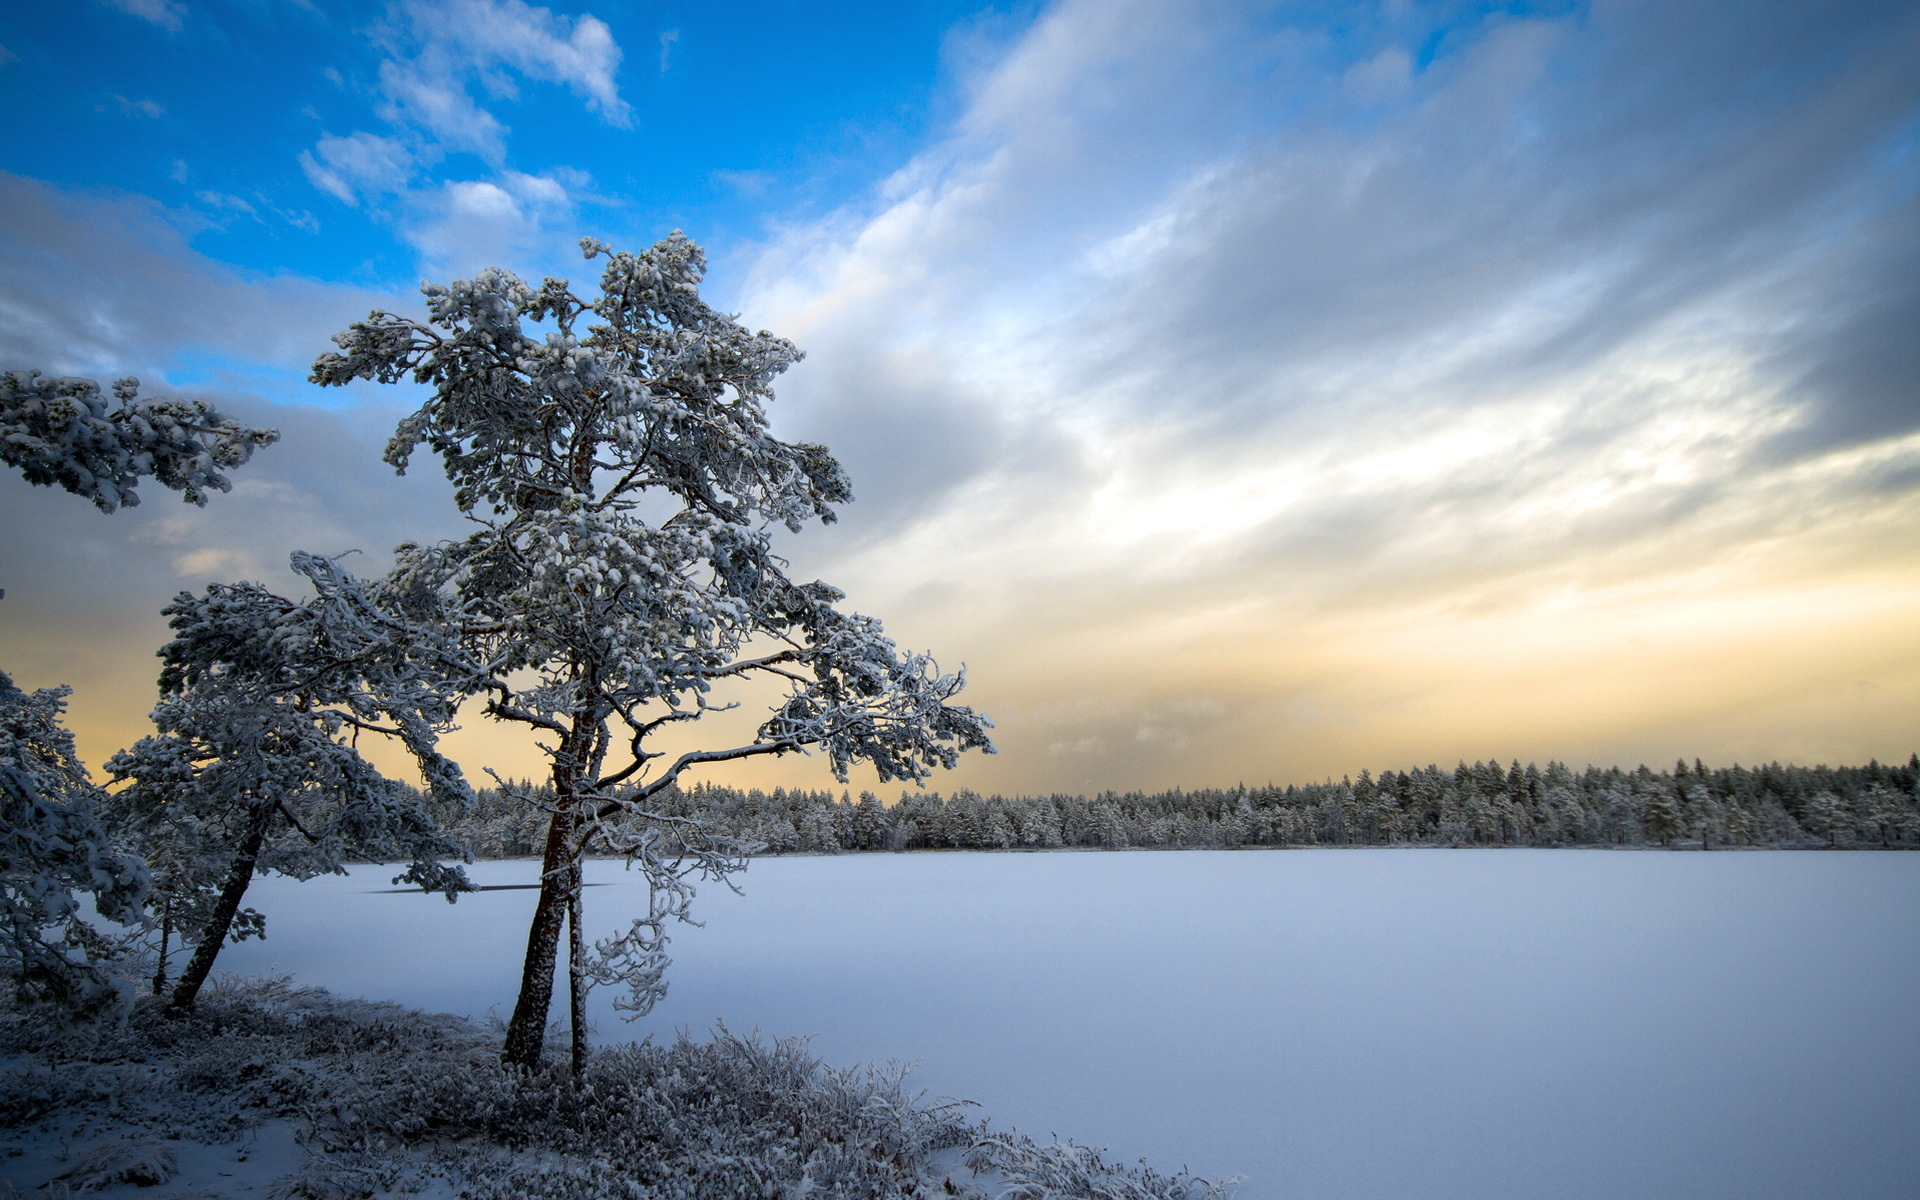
column 527, row 1031
column 576, row 971
column 239, row 875
column 166, row 934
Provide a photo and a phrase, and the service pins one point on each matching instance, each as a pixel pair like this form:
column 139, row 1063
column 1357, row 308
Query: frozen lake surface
column 1328, row 1023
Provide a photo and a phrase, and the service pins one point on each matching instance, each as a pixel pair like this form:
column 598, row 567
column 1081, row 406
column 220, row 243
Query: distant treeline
column 1485, row 804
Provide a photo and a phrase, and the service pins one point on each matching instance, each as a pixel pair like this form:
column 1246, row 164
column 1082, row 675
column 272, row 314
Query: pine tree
column 621, row 482
column 1660, row 813
column 254, row 766
column 1830, row 815
column 1888, row 812
column 61, row 433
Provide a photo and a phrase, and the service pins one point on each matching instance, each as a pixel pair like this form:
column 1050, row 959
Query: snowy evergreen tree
column 62, row 432
column 1888, row 813
column 1660, row 811
column 1830, row 816
column 1705, row 816
column 869, row 823
column 255, row 766
column 52, row 851
column 618, row 469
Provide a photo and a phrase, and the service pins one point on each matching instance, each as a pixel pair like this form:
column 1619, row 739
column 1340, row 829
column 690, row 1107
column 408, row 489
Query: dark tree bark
column 166, row 935
column 239, row 875
column 576, row 970
column 527, row 1030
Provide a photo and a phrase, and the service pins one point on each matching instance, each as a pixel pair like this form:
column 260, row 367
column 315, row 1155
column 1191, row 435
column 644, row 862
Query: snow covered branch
column 60, row 432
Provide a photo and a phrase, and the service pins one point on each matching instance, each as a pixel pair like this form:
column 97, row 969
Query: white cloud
column 442, row 48
column 168, row 14
column 360, row 164
column 226, row 202
column 142, row 108
column 446, row 60
column 422, row 94
column 512, row 219
column 1382, row 77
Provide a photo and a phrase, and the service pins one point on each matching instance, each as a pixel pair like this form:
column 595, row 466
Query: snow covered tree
column 52, row 848
column 869, row 823
column 1829, row 814
column 616, row 462
column 61, row 432
column 1705, row 816
column 255, row 766
column 1887, row 812
column 1661, row 813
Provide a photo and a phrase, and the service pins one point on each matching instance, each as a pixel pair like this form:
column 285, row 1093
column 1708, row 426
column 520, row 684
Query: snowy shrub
column 140, row 1161
column 1030, row 1171
column 385, row 1098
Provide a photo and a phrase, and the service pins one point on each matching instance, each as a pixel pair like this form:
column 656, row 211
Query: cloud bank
column 1318, row 396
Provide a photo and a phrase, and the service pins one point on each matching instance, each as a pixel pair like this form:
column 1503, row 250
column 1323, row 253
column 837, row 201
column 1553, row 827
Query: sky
column 1243, row 392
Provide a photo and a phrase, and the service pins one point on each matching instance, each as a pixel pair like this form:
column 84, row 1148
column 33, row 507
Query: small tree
column 255, row 767
column 617, row 466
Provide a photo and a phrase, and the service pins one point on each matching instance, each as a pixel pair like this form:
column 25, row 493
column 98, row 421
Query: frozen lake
column 1328, row 1023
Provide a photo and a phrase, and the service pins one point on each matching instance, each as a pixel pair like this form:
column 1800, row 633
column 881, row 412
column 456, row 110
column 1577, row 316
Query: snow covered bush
column 61, row 432
column 613, row 455
column 53, row 851
column 384, row 1099
column 1030, row 1171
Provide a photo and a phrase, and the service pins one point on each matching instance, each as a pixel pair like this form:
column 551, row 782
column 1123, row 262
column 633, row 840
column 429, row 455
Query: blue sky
column 721, row 117
column 1243, row 390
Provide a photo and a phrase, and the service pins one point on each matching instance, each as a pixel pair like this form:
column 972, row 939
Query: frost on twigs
column 1030, row 1171
column 60, row 432
column 52, row 851
column 670, row 852
column 614, row 455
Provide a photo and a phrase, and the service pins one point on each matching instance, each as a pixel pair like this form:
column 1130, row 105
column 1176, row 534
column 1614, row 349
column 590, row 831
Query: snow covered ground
column 1331, row 1024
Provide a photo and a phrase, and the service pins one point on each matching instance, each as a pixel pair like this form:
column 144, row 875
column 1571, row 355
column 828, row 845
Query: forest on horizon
column 1483, row 804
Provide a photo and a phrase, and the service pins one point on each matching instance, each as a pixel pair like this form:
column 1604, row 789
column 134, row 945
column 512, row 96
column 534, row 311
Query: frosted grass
column 1331, row 1024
